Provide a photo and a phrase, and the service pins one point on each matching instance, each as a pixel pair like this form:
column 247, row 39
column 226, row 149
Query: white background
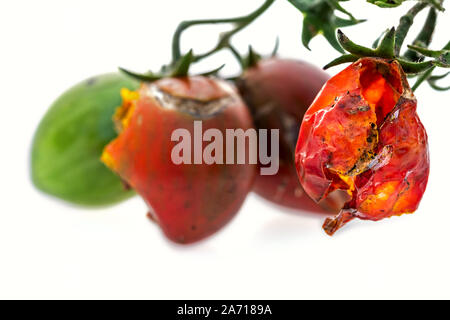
column 51, row 250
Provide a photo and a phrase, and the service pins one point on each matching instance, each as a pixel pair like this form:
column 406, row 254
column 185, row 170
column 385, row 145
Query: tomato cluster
column 362, row 149
column 192, row 201
column 352, row 145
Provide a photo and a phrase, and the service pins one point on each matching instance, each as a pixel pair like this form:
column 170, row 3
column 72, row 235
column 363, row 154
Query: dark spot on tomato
column 91, row 82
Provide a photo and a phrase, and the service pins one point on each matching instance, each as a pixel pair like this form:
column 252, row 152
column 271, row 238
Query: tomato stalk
column 424, row 37
column 240, row 23
column 405, row 24
column 179, row 67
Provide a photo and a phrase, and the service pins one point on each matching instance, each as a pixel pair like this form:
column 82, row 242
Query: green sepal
column 212, row 72
column 442, row 57
column 346, row 58
column 320, row 18
column 396, row 3
column 181, row 68
column 386, row 3
column 146, row 77
column 376, row 43
column 426, row 52
column 309, row 31
column 252, row 58
column 276, row 48
column 386, row 48
column 415, row 67
column 354, row 48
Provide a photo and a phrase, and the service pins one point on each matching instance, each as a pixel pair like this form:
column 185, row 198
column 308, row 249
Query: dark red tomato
column 278, row 92
column 363, row 135
column 189, row 201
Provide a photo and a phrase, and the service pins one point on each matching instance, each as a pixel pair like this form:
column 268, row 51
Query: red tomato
column 189, row 201
column 278, row 92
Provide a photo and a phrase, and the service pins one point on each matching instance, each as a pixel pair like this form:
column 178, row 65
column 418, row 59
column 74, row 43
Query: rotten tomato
column 193, row 199
column 362, row 134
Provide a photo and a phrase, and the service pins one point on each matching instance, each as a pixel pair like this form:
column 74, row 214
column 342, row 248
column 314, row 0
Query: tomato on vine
column 362, row 133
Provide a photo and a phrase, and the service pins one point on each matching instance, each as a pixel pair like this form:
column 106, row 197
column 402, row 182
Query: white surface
column 51, row 250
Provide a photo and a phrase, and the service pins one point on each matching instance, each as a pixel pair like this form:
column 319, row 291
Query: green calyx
column 320, row 18
column 442, row 59
column 253, row 57
column 418, row 61
column 386, row 50
column 396, row 3
column 386, row 3
column 178, row 70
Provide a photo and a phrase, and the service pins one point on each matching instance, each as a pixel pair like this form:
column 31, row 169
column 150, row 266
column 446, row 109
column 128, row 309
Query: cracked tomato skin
column 188, row 201
column 278, row 92
column 362, row 134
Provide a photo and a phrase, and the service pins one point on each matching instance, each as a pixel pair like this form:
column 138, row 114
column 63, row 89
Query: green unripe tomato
column 65, row 158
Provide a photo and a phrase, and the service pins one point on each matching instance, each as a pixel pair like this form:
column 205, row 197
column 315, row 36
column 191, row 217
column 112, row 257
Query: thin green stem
column 422, row 78
column 425, row 36
column 240, row 23
column 405, row 24
column 237, row 55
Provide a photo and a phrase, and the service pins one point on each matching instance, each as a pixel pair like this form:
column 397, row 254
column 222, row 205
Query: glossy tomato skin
column 362, row 134
column 278, row 92
column 189, row 201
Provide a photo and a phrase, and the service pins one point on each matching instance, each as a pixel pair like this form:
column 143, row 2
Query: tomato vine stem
column 405, row 24
column 425, row 36
column 224, row 41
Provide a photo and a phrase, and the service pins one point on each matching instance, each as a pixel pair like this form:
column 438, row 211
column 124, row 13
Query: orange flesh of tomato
column 362, row 134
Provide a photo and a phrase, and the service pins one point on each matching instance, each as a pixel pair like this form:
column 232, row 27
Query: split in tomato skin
column 189, row 201
column 278, row 92
column 362, row 134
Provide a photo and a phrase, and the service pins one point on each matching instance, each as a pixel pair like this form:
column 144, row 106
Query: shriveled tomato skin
column 278, row 92
column 189, row 201
column 362, row 134
column 398, row 186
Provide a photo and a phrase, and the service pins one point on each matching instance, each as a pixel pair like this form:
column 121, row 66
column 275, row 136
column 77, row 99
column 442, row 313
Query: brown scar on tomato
column 195, row 107
column 188, row 202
